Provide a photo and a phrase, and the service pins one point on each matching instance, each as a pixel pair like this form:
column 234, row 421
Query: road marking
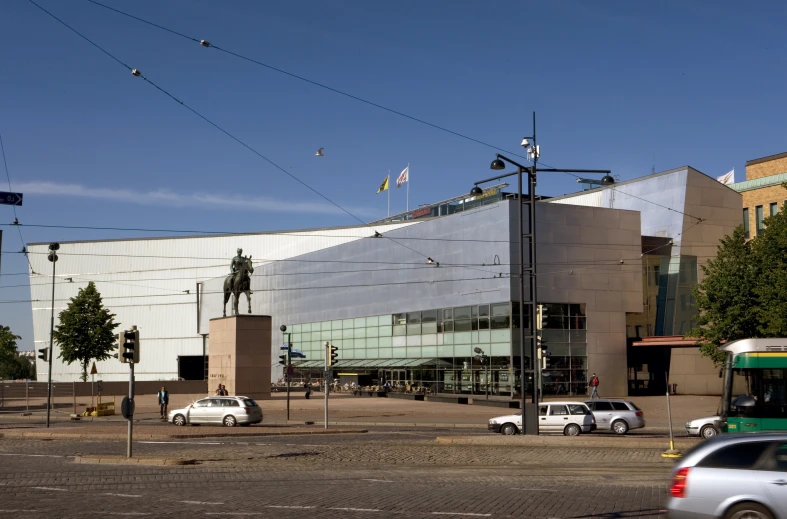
column 120, row 495
column 125, row 513
column 289, row 506
column 377, row 480
column 51, row 488
column 233, row 513
column 357, row 509
column 200, row 503
column 33, row 455
column 468, row 514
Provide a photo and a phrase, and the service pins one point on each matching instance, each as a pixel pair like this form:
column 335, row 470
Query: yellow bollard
column 672, row 452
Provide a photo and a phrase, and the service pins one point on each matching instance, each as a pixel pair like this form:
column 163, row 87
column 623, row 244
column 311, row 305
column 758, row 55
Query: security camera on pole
column 128, row 353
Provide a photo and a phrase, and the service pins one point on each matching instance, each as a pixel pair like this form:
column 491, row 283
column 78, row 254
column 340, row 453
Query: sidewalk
column 347, row 410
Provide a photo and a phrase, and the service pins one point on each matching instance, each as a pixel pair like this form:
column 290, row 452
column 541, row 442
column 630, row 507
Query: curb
column 87, row 433
column 105, row 460
column 563, row 441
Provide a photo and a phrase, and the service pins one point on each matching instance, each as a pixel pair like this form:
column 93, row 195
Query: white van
column 569, row 418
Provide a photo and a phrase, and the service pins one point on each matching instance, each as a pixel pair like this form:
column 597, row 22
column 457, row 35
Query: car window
column 542, row 410
column 250, row 403
column 620, row 406
column 558, row 410
column 603, row 406
column 737, row 456
column 591, row 405
column 632, row 404
column 234, row 403
column 215, row 402
column 779, row 461
column 202, row 403
column 578, row 409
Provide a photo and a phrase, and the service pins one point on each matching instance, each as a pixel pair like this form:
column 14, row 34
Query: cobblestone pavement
column 403, row 473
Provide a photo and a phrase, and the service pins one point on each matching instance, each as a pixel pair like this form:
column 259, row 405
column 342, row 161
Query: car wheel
column 572, row 429
column 620, row 427
column 748, row 510
column 179, row 420
column 708, row 431
column 230, row 421
column 509, row 429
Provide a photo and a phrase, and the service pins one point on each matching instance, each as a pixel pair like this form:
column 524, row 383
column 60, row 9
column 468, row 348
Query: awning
column 672, row 341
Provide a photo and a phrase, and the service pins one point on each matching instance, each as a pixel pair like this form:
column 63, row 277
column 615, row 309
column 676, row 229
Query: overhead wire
column 16, row 217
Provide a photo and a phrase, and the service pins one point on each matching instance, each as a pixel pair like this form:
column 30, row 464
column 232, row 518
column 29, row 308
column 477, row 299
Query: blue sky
column 616, row 85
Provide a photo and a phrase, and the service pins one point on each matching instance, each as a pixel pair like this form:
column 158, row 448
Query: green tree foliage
column 86, row 329
column 8, row 353
column 744, row 292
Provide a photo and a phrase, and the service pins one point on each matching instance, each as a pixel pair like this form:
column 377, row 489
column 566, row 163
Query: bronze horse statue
column 237, row 284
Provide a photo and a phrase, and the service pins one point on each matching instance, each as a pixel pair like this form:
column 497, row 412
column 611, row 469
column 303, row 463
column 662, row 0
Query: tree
column 726, row 298
column 86, row 329
column 8, row 353
column 770, row 249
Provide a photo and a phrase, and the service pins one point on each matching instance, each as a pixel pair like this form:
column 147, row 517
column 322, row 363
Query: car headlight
column 492, row 422
column 688, row 424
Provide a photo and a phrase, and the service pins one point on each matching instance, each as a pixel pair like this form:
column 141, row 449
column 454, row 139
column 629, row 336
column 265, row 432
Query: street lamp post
column 53, row 247
column 529, row 143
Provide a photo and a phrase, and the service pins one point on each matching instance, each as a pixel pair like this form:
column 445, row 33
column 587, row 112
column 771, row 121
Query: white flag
column 404, row 176
column 729, row 178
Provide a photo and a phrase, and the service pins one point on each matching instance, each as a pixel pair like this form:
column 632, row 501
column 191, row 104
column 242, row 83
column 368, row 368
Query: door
column 199, row 411
column 543, row 426
column 603, row 413
column 774, row 477
column 215, row 410
column 557, row 418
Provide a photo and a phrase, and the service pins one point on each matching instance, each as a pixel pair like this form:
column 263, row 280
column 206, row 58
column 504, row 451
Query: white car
column 569, row 418
column 703, row 427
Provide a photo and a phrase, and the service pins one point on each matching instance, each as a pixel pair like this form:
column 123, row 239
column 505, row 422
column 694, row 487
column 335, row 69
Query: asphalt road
column 384, row 472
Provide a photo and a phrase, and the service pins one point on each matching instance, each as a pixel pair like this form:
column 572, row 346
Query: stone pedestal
column 240, row 355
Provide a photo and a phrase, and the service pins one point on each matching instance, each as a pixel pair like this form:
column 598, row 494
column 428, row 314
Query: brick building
column 762, row 191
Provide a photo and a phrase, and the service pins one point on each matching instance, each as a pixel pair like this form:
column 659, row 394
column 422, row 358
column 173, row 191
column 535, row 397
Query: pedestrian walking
column 594, row 385
column 308, row 388
column 163, row 402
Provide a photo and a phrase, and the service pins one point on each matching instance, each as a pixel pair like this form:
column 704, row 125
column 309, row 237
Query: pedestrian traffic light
column 130, row 343
column 542, row 314
column 43, row 354
column 283, row 359
column 334, row 354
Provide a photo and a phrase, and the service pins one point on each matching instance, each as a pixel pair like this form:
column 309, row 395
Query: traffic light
column 283, row 359
column 43, row 354
column 330, row 354
column 542, row 314
column 334, row 354
column 129, row 340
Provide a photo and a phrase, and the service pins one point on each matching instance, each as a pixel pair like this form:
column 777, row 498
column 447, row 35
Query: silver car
column 227, row 410
column 732, row 476
column 616, row 415
column 705, row 427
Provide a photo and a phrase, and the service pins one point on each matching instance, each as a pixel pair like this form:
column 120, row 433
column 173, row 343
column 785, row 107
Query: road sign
column 93, row 370
column 285, row 347
column 297, row 355
column 8, row 198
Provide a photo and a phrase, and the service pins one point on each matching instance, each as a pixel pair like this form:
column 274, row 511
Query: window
column 603, row 406
column 738, row 456
column 558, row 410
column 657, row 268
column 250, row 403
column 774, row 208
column 779, row 461
column 202, row 403
column 620, row 406
column 746, row 222
column 578, row 409
column 760, row 217
column 542, row 410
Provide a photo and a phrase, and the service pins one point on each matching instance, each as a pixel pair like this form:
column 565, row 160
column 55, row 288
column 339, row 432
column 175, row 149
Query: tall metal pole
column 53, row 258
column 327, row 390
column 523, row 379
column 131, row 406
column 533, row 281
column 287, row 376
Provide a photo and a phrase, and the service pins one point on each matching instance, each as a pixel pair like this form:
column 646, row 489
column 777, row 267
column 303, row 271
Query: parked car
column 569, row 418
column 618, row 416
column 704, row 427
column 732, row 476
column 226, row 410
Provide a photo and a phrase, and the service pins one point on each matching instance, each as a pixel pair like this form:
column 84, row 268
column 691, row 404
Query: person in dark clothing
column 163, row 402
column 308, row 388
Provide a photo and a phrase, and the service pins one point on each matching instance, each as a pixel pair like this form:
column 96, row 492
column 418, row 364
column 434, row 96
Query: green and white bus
column 755, row 388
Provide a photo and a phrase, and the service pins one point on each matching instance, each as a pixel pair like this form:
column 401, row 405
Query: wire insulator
column 204, row 43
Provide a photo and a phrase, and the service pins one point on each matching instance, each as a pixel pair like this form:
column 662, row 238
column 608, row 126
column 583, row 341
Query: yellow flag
column 383, row 186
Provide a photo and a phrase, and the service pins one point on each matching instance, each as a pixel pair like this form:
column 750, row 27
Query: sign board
column 8, row 198
column 100, row 386
column 93, row 370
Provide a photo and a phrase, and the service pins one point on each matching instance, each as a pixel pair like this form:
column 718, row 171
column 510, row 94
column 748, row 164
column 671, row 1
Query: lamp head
column 283, row 328
column 478, row 350
column 607, row 180
column 497, row 165
column 54, row 246
column 476, row 191
column 525, row 143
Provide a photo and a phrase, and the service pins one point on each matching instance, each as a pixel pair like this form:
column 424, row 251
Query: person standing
column 308, row 388
column 594, row 385
column 163, row 402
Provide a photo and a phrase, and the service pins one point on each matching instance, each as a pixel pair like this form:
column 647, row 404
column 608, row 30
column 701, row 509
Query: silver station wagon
column 225, row 410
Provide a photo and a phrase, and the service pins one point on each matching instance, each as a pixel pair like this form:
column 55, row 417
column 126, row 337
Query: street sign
column 93, row 370
column 297, row 355
column 285, row 347
column 8, row 198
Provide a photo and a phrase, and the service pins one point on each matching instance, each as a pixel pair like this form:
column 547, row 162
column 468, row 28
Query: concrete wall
column 144, row 387
column 693, row 373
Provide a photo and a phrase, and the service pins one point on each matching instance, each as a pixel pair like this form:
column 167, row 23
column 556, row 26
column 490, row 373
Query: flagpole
column 408, row 186
column 388, row 179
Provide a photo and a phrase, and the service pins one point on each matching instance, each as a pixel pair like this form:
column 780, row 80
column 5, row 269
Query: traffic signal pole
column 131, row 406
column 287, row 374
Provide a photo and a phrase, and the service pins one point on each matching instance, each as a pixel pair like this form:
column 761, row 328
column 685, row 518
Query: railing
column 25, row 396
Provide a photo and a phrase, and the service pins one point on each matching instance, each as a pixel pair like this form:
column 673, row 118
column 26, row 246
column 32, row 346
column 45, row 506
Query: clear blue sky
column 616, row 85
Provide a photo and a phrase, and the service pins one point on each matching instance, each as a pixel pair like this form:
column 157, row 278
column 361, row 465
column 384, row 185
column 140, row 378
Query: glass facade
column 435, row 350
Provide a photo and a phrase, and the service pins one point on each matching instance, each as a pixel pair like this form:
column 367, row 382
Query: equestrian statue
column 238, row 282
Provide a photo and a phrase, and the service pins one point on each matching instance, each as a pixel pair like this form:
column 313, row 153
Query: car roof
column 609, row 400
column 562, row 402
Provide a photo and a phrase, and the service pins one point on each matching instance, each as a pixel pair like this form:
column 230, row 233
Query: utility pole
column 53, row 247
column 286, row 359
